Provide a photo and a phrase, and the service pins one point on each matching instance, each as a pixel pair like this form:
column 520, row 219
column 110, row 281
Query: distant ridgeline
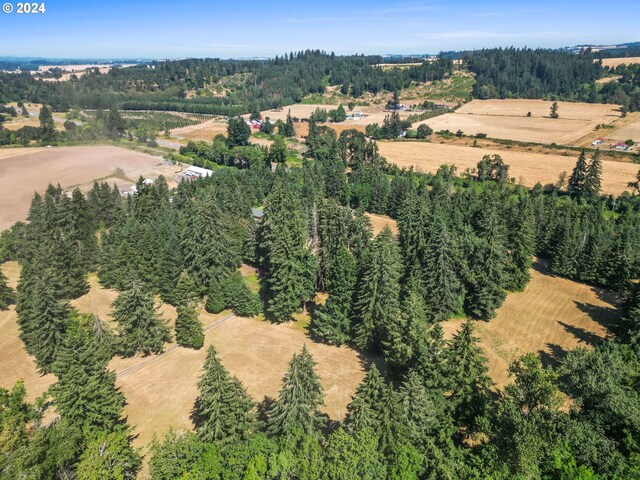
column 231, row 87
column 225, row 87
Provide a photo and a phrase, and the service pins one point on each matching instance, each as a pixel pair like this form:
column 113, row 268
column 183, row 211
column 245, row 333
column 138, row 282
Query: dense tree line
column 252, row 84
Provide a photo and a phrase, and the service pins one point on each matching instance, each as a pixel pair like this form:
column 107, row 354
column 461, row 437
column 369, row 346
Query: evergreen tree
column 278, row 150
column 364, row 410
column 489, row 267
column 592, row 181
column 289, row 263
column 444, row 293
column 188, row 327
column 288, row 129
column 85, row 395
column 238, row 132
column 210, row 250
column 223, row 410
column 578, row 176
column 141, row 328
column 42, row 317
column 467, row 376
column 378, row 293
column 185, row 291
column 7, row 296
column 393, row 424
column 405, row 337
column 301, row 395
column 47, row 127
column 521, row 245
column 629, row 328
column 331, row 321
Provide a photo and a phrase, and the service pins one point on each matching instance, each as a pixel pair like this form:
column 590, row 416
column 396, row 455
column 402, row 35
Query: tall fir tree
column 405, row 337
column 467, row 376
column 210, row 250
column 364, row 410
column 332, row 321
column 43, row 318
column 223, row 409
column 593, row 178
column 521, row 245
column 188, row 327
column 142, row 330
column 297, row 407
column 7, row 295
column 443, row 289
column 377, row 297
column 290, row 265
column 578, row 177
column 85, row 394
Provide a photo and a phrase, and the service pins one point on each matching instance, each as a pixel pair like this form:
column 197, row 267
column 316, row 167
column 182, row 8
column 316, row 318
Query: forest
column 232, row 87
column 427, row 410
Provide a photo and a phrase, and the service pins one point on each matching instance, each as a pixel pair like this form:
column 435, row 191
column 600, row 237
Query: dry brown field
column 507, row 119
column 161, row 390
column 626, row 128
column 203, row 131
column 15, row 363
column 24, row 171
column 614, row 62
column 378, row 222
column 552, row 315
column 526, row 167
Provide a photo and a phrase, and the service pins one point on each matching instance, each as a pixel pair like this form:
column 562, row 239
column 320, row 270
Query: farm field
column 552, row 315
column 203, row 131
column 626, row 128
column 614, row 62
column 507, row 119
column 163, row 391
column 526, row 167
column 24, row 171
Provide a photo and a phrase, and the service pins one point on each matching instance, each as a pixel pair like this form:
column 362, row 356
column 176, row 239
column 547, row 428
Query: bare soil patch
column 507, row 119
column 551, row 316
column 527, row 168
column 24, row 171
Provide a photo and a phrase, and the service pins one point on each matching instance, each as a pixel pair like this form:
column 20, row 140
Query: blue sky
column 196, row 28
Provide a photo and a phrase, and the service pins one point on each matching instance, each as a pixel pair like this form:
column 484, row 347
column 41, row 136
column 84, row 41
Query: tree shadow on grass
column 583, row 335
column 603, row 315
column 553, row 357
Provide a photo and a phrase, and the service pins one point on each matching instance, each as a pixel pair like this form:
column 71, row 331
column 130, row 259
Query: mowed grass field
column 161, row 390
column 526, row 167
column 23, row 171
column 551, row 316
column 507, row 119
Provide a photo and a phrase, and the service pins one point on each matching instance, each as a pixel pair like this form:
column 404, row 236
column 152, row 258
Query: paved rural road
column 151, row 359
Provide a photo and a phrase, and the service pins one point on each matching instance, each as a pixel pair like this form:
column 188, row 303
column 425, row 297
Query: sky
column 257, row 28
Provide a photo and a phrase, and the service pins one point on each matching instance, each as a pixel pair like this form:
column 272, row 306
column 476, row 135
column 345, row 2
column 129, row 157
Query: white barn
column 194, row 171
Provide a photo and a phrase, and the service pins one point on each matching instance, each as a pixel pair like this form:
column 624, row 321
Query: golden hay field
column 626, row 128
column 507, row 119
column 24, row 171
column 162, row 392
column 526, row 167
column 551, row 316
column 614, row 62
